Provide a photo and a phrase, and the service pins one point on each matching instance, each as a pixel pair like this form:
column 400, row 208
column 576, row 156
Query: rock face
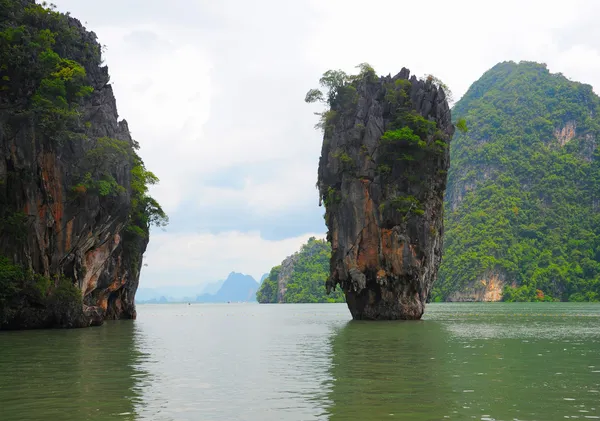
column 488, row 288
column 382, row 177
column 66, row 194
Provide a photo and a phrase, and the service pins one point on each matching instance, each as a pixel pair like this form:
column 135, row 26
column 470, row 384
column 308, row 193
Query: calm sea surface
column 310, row 362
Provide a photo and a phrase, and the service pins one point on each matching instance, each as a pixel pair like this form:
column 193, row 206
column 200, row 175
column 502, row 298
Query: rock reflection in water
column 70, row 375
column 388, row 370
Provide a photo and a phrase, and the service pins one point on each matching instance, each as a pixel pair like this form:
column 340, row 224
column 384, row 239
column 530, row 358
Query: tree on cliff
column 522, row 215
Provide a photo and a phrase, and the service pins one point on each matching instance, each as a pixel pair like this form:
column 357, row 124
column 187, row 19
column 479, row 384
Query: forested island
column 75, row 212
column 301, row 277
column 521, row 211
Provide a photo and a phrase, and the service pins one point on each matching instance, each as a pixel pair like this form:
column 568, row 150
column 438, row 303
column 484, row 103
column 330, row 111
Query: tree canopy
column 306, row 283
column 523, row 188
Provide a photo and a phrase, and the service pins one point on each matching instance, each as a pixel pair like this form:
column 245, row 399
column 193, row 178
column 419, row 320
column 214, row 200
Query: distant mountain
column 161, row 300
column 237, row 287
column 262, row 278
column 172, row 293
column 213, row 287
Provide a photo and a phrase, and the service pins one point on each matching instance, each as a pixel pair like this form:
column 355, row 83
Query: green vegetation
column 523, row 190
column 43, row 63
column 267, row 293
column 438, row 82
column 50, row 68
column 100, row 163
column 405, row 204
column 340, row 93
column 410, row 143
column 306, row 283
column 31, row 300
column 145, row 213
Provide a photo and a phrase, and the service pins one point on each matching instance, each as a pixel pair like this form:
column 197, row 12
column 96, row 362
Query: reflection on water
column 476, row 361
column 308, row 362
column 90, row 374
column 236, row 362
column 389, row 370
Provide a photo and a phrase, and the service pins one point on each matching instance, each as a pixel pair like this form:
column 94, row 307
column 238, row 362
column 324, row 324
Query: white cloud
column 279, row 191
column 209, row 257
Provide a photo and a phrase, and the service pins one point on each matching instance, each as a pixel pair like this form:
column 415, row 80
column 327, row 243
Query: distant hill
column 301, row 277
column 172, row 293
column 262, row 278
column 237, row 287
column 161, row 300
column 213, row 287
column 176, row 293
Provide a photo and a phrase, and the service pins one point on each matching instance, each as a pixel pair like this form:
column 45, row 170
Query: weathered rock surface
column 66, row 234
column 488, row 288
column 384, row 198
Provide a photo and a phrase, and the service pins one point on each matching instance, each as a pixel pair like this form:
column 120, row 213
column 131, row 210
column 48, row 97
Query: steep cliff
column 301, row 277
column 382, row 177
column 523, row 190
column 74, row 208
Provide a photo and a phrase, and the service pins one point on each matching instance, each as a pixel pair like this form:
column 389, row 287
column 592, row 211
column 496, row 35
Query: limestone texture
column 382, row 178
column 65, row 231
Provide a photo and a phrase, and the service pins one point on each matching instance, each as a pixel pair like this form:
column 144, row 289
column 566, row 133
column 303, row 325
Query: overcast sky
column 213, row 90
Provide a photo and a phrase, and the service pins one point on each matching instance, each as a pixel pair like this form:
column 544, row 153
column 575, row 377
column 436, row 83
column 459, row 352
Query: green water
column 304, row 362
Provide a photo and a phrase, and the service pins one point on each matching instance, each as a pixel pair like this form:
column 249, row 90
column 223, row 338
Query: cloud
column 190, row 259
column 213, row 92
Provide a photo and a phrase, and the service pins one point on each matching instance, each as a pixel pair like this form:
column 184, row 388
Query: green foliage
column 366, row 72
column 30, row 300
column 267, row 293
column 528, row 205
column 405, row 204
column 65, row 303
column 333, row 197
column 145, row 213
column 48, row 67
column 440, row 84
column 461, row 125
column 346, row 161
column 340, row 92
column 405, row 134
column 306, row 283
column 14, row 224
column 101, row 164
column 314, row 95
column 35, row 73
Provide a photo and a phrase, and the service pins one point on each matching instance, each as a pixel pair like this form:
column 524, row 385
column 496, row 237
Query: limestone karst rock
column 74, row 213
column 382, row 178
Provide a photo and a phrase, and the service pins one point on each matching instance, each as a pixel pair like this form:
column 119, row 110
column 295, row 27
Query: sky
column 213, row 90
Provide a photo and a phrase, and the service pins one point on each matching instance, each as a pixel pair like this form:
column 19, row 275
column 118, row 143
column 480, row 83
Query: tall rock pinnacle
column 382, row 178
